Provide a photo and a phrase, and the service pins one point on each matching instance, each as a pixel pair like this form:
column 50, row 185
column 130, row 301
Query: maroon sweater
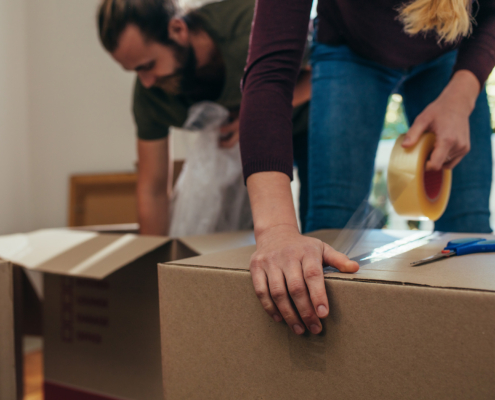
column 369, row 27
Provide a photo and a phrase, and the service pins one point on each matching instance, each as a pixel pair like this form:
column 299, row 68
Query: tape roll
column 414, row 192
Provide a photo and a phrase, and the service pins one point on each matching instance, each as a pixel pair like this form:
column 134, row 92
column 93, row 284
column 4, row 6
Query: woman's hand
column 448, row 118
column 287, row 267
column 287, row 273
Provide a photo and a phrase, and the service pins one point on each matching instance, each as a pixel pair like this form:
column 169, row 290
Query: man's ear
column 178, row 31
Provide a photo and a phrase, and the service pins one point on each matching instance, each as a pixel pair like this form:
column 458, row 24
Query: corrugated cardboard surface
column 473, row 271
column 8, row 383
column 390, row 334
column 102, row 336
column 206, row 244
column 77, row 253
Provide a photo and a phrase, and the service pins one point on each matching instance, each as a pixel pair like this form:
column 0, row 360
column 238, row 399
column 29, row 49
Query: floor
column 33, row 368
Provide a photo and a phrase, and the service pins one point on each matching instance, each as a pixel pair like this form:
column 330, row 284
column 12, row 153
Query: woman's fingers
column 298, row 291
column 313, row 275
column 287, row 274
column 338, row 260
column 419, row 127
column 260, row 284
column 279, row 294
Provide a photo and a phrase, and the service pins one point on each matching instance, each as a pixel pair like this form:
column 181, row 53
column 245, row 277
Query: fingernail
column 315, row 329
column 277, row 318
column 406, row 140
column 322, row 311
column 298, row 329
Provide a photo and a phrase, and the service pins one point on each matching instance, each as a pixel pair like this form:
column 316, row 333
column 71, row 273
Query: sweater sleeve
column 477, row 53
column 278, row 37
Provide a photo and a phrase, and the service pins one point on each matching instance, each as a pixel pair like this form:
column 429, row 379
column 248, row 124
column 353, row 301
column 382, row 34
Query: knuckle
column 313, row 272
column 260, row 293
column 297, row 289
column 278, row 293
column 288, row 316
column 267, row 306
column 257, row 261
column 449, row 141
column 306, row 315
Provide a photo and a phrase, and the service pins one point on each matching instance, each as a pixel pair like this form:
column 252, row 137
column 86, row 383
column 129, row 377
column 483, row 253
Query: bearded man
column 181, row 60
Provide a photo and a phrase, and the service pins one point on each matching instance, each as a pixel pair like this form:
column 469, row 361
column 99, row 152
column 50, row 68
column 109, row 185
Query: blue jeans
column 348, row 105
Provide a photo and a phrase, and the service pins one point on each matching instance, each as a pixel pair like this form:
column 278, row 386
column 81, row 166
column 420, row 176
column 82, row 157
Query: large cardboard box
column 101, row 317
column 394, row 331
column 8, row 384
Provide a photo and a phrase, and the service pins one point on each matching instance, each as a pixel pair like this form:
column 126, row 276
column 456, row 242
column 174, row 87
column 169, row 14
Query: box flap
column 473, row 271
column 238, row 258
column 109, row 228
column 77, row 253
column 216, row 242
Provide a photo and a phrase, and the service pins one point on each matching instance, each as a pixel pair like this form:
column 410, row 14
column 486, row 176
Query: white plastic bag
column 210, row 195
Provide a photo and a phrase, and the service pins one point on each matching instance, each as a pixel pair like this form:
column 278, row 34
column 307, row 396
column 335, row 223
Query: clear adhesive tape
column 414, row 192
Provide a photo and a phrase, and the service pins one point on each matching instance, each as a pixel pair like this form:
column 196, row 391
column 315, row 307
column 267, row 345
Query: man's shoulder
column 228, row 18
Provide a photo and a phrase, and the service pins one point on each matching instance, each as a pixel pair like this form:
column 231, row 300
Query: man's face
column 163, row 66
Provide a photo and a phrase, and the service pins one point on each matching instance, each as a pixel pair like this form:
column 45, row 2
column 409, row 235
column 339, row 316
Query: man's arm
column 302, row 90
column 154, row 186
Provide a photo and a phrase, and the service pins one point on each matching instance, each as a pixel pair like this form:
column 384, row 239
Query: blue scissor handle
column 483, row 246
column 457, row 243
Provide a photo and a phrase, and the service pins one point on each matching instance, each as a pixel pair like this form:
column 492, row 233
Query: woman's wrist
column 462, row 91
column 271, row 202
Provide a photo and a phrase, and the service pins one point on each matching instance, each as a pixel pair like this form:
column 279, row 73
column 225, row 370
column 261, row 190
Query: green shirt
column 228, row 23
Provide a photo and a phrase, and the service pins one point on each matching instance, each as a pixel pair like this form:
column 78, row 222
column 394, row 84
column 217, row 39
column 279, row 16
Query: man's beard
column 197, row 84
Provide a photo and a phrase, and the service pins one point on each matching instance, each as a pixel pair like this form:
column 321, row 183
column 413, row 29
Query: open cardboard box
column 394, row 331
column 101, row 317
column 8, row 375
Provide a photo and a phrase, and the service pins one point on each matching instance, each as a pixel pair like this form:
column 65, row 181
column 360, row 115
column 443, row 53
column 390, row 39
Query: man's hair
column 450, row 19
column 150, row 16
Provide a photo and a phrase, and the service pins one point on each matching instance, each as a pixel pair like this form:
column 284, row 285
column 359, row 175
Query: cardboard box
column 8, row 383
column 101, row 317
column 394, row 331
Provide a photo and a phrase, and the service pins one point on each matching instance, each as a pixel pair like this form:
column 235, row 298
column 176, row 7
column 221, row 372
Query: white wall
column 65, row 108
column 79, row 100
column 15, row 207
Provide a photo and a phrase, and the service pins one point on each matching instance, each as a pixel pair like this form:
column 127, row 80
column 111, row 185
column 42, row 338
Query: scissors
column 460, row 247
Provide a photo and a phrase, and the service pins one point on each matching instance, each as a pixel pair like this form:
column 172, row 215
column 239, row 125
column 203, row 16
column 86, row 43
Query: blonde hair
column 450, row 19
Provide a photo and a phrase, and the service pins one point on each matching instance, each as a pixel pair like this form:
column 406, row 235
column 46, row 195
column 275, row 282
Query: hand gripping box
column 394, row 331
column 101, row 319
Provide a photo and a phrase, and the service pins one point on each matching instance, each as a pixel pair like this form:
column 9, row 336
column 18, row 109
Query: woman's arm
column 448, row 115
column 286, row 265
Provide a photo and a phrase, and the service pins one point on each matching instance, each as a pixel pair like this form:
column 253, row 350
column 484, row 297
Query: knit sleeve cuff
column 264, row 165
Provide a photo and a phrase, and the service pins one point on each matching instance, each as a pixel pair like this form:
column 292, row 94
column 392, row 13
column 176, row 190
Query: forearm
column 477, row 52
column 462, row 90
column 154, row 187
column 153, row 211
column 271, row 201
column 302, row 91
column 277, row 42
